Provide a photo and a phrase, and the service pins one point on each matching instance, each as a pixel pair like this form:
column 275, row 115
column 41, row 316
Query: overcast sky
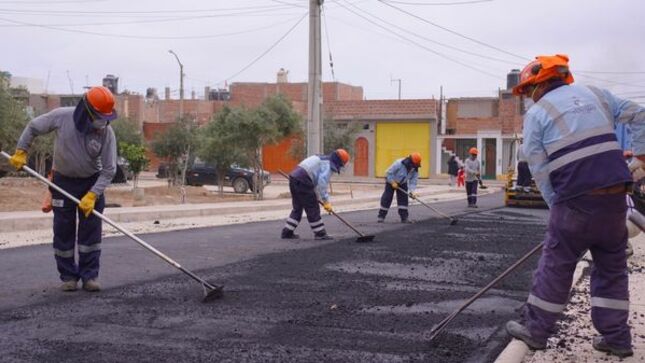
column 217, row 39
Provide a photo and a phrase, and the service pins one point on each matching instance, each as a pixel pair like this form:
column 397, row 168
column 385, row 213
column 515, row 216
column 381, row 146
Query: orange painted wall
column 277, row 157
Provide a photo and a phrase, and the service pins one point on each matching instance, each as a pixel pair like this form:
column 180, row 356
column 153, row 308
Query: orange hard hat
column 415, row 157
column 542, row 69
column 101, row 100
column 343, row 155
column 473, row 151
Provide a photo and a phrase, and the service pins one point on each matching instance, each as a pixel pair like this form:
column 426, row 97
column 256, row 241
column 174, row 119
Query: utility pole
column 181, row 84
column 396, row 80
column 314, row 89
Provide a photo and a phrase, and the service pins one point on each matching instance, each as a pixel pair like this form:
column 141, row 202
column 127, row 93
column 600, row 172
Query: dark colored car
column 241, row 179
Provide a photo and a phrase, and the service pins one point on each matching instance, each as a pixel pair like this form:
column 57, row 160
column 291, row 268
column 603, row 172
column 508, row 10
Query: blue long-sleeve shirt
column 319, row 171
column 397, row 172
column 570, row 144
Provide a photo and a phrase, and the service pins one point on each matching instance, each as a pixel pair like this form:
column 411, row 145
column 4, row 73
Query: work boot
column 601, row 345
column 288, row 234
column 406, row 221
column 91, row 285
column 68, row 286
column 322, row 236
column 519, row 331
column 380, row 220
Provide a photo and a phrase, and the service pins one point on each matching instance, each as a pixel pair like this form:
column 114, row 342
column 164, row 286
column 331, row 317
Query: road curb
column 516, row 350
column 34, row 220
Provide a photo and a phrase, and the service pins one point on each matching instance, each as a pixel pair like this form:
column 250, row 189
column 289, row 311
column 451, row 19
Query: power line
column 130, row 36
column 421, row 45
column 434, row 41
column 139, row 12
column 610, row 72
column 331, row 60
column 452, row 31
column 440, row 3
column 255, row 60
column 162, row 20
column 610, row 81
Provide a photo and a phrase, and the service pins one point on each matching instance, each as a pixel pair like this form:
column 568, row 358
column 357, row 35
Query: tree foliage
column 252, row 129
column 126, row 131
column 176, row 146
column 13, row 117
column 135, row 155
column 218, row 145
column 339, row 135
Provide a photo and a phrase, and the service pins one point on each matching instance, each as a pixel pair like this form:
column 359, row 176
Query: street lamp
column 181, row 84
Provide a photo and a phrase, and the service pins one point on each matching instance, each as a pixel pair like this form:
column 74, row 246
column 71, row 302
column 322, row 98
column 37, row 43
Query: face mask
column 99, row 124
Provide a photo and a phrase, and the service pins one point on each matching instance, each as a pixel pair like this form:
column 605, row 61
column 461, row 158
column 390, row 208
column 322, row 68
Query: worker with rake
column 574, row 156
column 84, row 165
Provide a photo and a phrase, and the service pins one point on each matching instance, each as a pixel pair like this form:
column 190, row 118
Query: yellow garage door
column 395, row 140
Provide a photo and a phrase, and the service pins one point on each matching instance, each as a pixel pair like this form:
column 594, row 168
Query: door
column 490, row 147
column 361, row 157
column 395, row 140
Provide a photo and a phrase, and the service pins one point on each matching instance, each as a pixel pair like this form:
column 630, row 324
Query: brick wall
column 507, row 117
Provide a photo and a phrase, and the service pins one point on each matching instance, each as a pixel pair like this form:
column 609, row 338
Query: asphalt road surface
column 284, row 300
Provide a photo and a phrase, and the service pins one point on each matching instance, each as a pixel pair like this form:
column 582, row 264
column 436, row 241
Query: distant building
column 33, row 85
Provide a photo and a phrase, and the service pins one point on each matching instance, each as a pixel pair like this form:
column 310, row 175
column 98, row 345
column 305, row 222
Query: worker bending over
column 308, row 184
column 574, row 156
column 401, row 177
column 84, row 165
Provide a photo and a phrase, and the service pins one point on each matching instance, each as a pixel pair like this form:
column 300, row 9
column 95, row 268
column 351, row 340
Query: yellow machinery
column 517, row 196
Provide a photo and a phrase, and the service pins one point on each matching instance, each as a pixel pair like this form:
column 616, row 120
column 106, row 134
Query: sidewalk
column 572, row 343
column 26, row 228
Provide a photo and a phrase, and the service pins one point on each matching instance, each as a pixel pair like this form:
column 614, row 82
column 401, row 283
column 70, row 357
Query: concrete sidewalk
column 572, row 343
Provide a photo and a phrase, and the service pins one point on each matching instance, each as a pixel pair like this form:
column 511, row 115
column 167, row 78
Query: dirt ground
column 26, row 194
column 336, row 302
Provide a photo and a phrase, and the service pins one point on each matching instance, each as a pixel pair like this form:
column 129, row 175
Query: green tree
column 252, row 129
column 176, row 146
column 338, row 135
column 127, row 131
column 135, row 155
column 13, row 117
column 218, row 147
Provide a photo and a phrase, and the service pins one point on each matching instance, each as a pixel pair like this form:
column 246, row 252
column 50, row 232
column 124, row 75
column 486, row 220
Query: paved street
column 284, row 300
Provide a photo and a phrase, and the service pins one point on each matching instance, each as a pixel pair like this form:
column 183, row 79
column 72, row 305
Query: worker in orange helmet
column 472, row 169
column 577, row 163
column 84, row 165
column 401, row 176
column 308, row 184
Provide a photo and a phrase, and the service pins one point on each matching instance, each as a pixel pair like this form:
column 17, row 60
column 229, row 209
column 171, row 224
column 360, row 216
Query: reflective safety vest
column 570, row 143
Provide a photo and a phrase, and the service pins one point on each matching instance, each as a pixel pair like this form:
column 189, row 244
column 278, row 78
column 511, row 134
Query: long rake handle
column 107, row 220
column 442, row 324
column 332, row 212
column 428, row 205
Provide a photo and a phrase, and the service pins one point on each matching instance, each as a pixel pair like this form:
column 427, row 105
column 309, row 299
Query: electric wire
column 163, row 20
column 140, row 12
column 453, row 31
column 436, row 42
column 421, row 45
column 331, row 60
column 275, row 44
column 130, row 36
column 439, row 3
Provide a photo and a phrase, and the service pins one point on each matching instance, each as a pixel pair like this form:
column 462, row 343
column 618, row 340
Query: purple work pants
column 590, row 222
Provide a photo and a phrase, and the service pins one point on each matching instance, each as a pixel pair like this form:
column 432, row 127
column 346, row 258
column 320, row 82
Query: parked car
column 123, row 173
column 241, row 179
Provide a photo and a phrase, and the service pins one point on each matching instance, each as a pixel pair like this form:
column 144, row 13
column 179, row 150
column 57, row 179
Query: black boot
column 288, row 234
column 322, row 236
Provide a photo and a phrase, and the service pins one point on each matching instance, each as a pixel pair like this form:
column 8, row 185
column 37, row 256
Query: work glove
column 394, row 185
column 87, row 203
column 328, row 207
column 413, row 195
column 18, row 159
column 636, row 167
